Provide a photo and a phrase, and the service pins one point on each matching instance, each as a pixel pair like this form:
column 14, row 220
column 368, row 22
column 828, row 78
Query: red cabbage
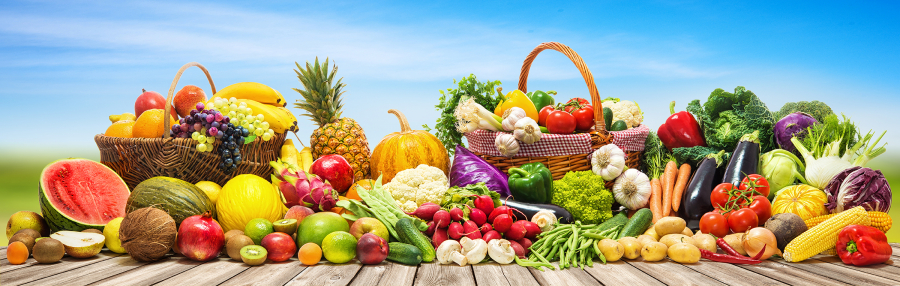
column 791, row 125
column 858, row 186
column 470, row 169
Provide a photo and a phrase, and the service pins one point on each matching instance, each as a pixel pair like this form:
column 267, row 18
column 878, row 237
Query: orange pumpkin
column 407, row 149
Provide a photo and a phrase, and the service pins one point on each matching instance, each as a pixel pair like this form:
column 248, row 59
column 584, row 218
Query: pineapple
column 335, row 135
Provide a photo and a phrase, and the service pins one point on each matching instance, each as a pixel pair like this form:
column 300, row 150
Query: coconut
column 147, row 234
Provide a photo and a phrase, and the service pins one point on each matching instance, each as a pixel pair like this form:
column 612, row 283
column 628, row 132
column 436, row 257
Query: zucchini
column 404, row 253
column 617, row 220
column 638, row 223
column 409, row 234
column 619, row 125
column 607, row 117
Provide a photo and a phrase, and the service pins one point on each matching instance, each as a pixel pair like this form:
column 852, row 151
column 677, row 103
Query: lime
column 111, row 232
column 339, row 247
column 258, row 228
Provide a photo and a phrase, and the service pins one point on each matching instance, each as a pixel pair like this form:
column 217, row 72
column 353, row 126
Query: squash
column 407, row 149
column 176, row 197
column 802, row 200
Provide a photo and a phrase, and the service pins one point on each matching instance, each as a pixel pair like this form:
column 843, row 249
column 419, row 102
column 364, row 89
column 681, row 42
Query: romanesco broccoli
column 584, row 195
column 413, row 187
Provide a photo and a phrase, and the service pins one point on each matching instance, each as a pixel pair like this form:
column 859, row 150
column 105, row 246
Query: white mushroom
column 501, row 251
column 446, row 250
column 475, row 249
column 544, row 219
column 459, row 258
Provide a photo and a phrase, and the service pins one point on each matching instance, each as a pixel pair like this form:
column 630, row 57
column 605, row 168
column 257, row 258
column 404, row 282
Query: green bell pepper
column 531, row 183
column 541, row 99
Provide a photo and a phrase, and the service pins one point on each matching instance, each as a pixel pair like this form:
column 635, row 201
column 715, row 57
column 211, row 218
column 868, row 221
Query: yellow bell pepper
column 517, row 98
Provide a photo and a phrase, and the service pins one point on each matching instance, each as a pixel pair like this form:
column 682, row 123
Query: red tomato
column 560, row 122
column 542, row 116
column 720, row 194
column 758, row 182
column 582, row 101
column 584, row 118
column 743, row 220
column 714, row 223
column 762, row 208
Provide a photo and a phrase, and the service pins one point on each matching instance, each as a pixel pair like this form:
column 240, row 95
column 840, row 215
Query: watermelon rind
column 56, row 219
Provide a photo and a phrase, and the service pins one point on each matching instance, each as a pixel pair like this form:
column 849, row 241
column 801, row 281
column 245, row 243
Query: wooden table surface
column 114, row 269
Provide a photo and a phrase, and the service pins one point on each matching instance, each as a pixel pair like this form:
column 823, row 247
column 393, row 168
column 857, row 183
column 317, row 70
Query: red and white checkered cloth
column 482, row 141
column 632, row 139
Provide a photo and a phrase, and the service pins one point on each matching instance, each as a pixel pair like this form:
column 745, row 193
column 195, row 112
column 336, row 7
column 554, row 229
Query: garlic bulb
column 527, row 131
column 608, row 162
column 511, row 116
column 507, row 144
column 632, row 189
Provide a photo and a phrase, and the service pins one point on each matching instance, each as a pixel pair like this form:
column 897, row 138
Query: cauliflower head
column 627, row 111
column 413, row 187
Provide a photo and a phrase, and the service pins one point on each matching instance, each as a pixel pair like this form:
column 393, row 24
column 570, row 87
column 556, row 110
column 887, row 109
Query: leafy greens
column 726, row 116
column 468, row 87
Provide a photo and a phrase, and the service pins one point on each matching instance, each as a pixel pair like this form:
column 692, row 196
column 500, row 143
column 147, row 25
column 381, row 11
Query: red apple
column 371, row 249
column 151, row 100
column 369, row 225
column 298, row 213
column 336, row 170
column 187, row 98
column 280, row 246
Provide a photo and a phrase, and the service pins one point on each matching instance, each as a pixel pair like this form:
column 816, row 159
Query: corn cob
column 824, row 235
column 881, row 221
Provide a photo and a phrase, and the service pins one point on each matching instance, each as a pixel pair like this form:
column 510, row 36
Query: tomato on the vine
column 714, row 223
column 720, row 195
column 584, row 118
column 762, row 208
column 560, row 122
column 743, row 220
column 757, row 182
column 583, row 102
column 542, row 115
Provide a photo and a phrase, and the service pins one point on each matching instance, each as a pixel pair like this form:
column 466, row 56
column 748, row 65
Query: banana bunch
column 253, row 91
column 302, row 159
column 279, row 118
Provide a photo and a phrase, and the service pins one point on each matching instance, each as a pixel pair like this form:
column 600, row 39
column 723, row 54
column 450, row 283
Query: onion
column 755, row 239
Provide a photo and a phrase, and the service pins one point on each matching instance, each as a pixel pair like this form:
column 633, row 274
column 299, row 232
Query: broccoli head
column 584, row 195
column 817, row 109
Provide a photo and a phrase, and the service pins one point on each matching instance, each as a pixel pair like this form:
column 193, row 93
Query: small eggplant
column 744, row 161
column 529, row 209
column 695, row 200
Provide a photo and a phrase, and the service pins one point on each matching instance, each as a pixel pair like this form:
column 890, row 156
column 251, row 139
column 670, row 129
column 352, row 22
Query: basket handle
column 171, row 96
column 599, row 124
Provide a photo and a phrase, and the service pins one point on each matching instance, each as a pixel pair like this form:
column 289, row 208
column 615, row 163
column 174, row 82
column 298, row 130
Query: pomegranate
column 335, row 170
column 200, row 237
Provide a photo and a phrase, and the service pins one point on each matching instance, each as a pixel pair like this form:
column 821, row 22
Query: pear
column 80, row 244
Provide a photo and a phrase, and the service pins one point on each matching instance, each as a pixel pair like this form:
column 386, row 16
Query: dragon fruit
column 301, row 188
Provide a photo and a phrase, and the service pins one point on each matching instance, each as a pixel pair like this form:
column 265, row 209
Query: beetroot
column 486, row 227
column 456, row 214
column 531, row 229
column 520, row 251
column 440, row 235
column 442, row 218
column 526, row 244
column 516, row 231
column 502, row 223
column 200, row 237
column 455, row 230
column 498, row 211
column 431, row 227
column 484, row 203
column 491, row 235
column 426, row 211
column 477, row 216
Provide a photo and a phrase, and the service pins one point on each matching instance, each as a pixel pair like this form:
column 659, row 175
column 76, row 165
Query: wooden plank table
column 114, row 269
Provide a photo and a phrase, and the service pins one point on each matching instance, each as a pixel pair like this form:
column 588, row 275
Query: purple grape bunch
column 208, row 125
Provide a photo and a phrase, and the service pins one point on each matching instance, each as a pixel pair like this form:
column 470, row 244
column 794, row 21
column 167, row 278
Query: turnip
column 516, row 231
column 491, row 235
column 478, row 216
column 531, row 229
column 426, row 211
column 455, row 230
column 484, row 203
column 456, row 214
column 486, row 227
column 440, row 235
column 442, row 218
column 502, row 223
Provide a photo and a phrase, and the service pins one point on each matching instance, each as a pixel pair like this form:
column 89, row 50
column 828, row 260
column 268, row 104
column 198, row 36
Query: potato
column 654, row 251
column 632, row 247
column 688, row 232
column 669, row 225
column 611, row 249
column 651, row 231
column 705, row 241
column 734, row 240
column 672, row 239
column 645, row 239
column 684, row 253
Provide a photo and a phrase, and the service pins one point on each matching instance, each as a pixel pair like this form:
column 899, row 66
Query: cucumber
column 409, row 234
column 619, row 125
column 617, row 220
column 638, row 223
column 607, row 117
column 404, row 253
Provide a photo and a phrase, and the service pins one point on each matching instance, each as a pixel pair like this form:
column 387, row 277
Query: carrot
column 684, row 173
column 668, row 186
column 655, row 196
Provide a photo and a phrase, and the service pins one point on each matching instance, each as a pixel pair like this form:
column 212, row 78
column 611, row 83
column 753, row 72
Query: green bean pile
column 573, row 245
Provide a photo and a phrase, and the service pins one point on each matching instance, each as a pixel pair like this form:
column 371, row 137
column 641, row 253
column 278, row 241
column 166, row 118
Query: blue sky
column 66, row 65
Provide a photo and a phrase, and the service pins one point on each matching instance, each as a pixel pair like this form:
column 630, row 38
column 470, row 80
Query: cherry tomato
column 542, row 116
column 720, row 194
column 760, row 183
column 584, row 118
column 582, row 101
column 762, row 208
column 714, row 223
column 743, row 220
column 560, row 122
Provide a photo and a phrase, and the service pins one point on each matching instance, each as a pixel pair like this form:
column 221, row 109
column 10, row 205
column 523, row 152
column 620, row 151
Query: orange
column 365, row 184
column 150, row 124
column 310, row 254
column 121, row 128
column 17, row 253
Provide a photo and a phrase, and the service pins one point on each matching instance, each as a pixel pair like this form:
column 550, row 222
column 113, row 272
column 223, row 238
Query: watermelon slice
column 78, row 194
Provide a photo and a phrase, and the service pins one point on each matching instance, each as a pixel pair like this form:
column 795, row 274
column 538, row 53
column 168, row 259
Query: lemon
column 111, row 232
column 339, row 247
column 258, row 228
column 211, row 189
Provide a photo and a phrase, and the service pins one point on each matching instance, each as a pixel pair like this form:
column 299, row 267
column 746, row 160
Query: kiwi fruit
column 287, row 225
column 94, row 230
column 25, row 238
column 234, row 245
column 254, row 254
column 33, row 233
column 231, row 233
column 48, row 250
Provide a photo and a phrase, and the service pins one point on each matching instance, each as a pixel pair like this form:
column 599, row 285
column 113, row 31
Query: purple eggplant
column 744, row 161
column 695, row 200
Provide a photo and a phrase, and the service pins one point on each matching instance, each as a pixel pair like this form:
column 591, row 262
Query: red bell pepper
column 862, row 245
column 680, row 130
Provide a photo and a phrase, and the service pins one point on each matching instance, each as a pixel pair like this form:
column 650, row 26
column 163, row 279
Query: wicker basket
column 559, row 165
column 138, row 159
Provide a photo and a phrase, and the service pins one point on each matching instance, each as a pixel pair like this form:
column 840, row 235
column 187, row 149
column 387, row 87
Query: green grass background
column 20, row 170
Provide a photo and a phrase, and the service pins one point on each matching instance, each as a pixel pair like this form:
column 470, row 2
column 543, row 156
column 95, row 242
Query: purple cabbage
column 858, row 186
column 470, row 169
column 791, row 125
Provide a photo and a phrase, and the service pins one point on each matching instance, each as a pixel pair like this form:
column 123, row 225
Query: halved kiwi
column 48, row 250
column 234, row 245
column 25, row 238
column 33, row 233
column 254, row 255
column 93, row 230
column 287, row 225
column 231, row 233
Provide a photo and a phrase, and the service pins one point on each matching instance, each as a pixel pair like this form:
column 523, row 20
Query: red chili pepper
column 727, row 258
column 727, row 248
column 760, row 253
column 862, row 245
column 680, row 130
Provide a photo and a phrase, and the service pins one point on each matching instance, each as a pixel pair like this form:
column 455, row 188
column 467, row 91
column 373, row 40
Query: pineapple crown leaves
column 321, row 99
